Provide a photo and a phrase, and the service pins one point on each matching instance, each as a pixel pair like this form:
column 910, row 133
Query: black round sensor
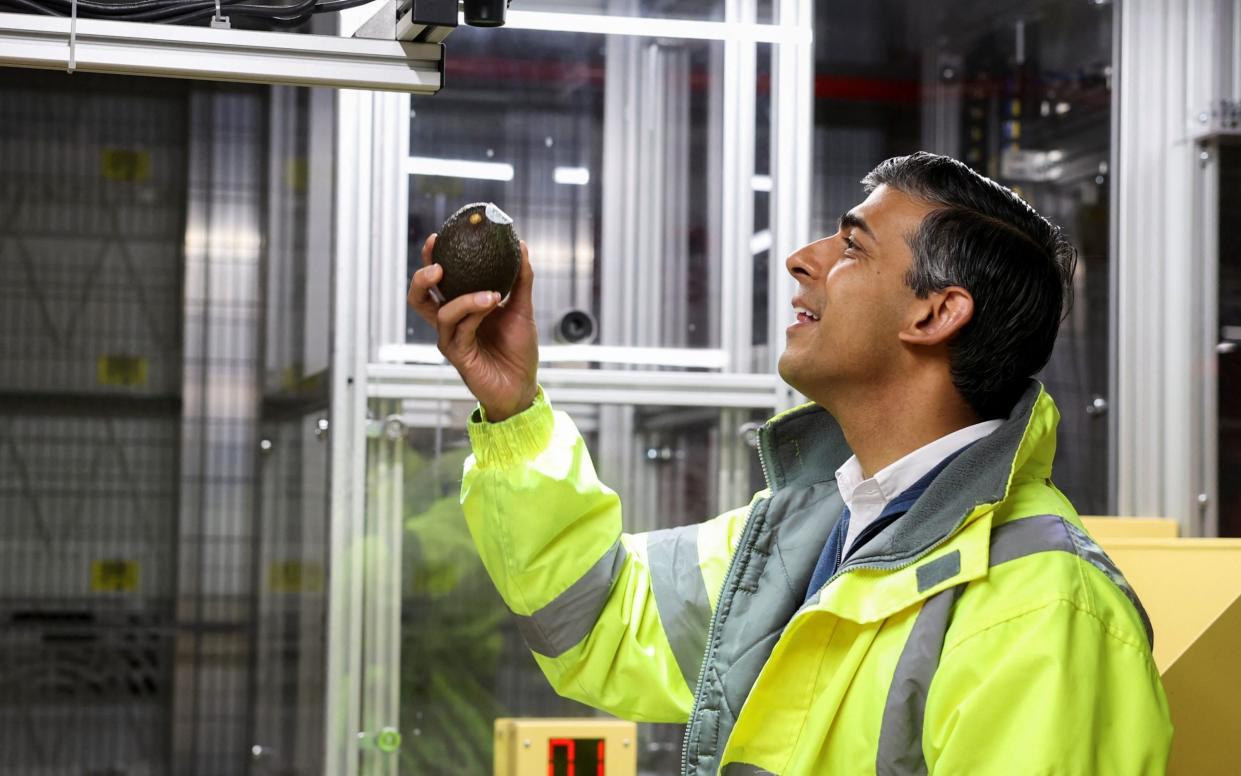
column 576, row 327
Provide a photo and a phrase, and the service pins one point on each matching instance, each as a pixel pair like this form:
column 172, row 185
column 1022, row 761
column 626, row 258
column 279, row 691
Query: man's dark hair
column 1016, row 264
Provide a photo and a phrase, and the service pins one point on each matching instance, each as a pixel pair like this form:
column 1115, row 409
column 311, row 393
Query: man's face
column 852, row 299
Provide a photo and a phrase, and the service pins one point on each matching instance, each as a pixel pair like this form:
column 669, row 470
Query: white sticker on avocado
column 496, row 215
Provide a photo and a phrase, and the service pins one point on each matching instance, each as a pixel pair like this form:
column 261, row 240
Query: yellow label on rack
column 123, row 164
column 114, row 576
column 294, row 576
column 122, row 370
column 297, row 174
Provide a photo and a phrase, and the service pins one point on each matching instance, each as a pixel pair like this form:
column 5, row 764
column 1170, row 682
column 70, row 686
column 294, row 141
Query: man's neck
column 886, row 424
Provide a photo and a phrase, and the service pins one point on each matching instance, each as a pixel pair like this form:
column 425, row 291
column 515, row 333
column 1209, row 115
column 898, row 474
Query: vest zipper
column 706, row 658
column 883, row 566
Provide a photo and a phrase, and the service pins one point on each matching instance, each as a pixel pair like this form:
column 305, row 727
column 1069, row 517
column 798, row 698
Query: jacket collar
column 805, row 445
column 1023, row 446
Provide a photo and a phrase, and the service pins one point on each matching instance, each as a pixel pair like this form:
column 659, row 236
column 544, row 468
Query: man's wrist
column 517, row 437
column 501, row 414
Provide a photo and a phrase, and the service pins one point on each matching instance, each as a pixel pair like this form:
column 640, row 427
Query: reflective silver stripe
column 900, row 734
column 571, row 615
column 939, row 570
column 1048, row 533
column 1093, row 554
column 1044, row 533
column 745, row 769
column 680, row 595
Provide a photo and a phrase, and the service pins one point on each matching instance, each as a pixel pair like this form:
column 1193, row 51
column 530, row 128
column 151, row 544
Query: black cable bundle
column 292, row 14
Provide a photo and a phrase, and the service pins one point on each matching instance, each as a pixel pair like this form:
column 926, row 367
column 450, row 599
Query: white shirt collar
column 866, row 497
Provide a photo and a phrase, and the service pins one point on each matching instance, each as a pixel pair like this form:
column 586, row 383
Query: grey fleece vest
column 766, row 582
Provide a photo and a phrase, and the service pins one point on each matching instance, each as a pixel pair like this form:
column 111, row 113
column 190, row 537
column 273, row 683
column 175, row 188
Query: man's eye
column 850, row 243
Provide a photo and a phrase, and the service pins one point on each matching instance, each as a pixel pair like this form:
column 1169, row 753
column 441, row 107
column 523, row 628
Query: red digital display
column 575, row 757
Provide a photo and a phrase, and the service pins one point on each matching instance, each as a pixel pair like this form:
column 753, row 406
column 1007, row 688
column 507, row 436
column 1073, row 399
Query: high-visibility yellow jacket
column 983, row 632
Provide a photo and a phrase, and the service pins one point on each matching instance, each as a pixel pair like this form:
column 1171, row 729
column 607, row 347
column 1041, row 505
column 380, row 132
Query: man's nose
column 809, row 261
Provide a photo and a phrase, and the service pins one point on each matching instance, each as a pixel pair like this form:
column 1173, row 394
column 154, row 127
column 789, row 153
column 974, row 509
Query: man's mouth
column 804, row 315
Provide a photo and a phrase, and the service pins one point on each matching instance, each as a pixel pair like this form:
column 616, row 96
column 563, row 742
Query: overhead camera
column 485, row 13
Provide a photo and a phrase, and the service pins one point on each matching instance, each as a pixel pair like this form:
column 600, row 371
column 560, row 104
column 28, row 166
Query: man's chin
column 787, row 368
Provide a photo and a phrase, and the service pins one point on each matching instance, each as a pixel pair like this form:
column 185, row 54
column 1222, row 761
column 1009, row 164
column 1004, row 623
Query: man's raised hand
column 494, row 347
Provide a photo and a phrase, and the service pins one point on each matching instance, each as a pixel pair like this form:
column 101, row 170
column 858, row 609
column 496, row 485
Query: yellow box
column 1191, row 589
column 532, row 746
column 1103, row 528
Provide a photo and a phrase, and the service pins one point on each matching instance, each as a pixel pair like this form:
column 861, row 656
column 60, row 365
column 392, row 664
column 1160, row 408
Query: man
column 911, row 594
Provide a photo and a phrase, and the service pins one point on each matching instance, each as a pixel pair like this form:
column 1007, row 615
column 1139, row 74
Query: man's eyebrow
column 853, row 220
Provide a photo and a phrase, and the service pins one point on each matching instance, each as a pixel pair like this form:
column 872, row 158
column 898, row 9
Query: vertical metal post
column 381, row 554
column 1207, row 207
column 737, row 270
column 1119, row 10
column 793, row 110
column 351, row 276
column 736, row 284
column 364, row 594
column 1168, row 71
column 381, row 645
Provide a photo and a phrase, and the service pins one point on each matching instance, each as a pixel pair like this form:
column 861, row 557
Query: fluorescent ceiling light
column 656, row 28
column 761, row 183
column 458, row 168
column 573, row 176
column 760, row 242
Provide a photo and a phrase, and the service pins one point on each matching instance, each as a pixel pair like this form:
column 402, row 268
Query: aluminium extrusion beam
column 589, row 386
column 174, row 51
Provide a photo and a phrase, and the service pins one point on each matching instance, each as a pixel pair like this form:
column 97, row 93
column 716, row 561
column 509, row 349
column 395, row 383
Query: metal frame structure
column 371, row 361
column 372, row 135
column 1177, row 64
column 135, row 48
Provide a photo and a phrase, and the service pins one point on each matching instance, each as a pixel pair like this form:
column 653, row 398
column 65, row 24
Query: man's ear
column 939, row 317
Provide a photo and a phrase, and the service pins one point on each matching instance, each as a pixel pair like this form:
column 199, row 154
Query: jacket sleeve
column 617, row 621
column 1048, row 691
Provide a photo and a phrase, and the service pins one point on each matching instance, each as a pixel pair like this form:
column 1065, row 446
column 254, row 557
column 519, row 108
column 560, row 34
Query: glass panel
column 1229, row 348
column 463, row 663
column 292, row 568
column 290, row 536
column 605, row 148
column 999, row 88
column 162, row 582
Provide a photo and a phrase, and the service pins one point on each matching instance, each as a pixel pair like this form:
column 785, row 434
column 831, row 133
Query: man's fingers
column 420, row 286
column 450, row 317
column 427, row 247
column 520, row 298
column 467, row 328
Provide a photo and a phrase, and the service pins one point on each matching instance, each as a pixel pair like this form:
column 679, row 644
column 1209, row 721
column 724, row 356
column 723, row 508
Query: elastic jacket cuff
column 512, row 440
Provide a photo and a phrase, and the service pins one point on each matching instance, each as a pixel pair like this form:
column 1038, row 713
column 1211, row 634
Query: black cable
column 192, row 10
column 118, row 9
column 326, row 6
column 30, row 5
column 181, row 11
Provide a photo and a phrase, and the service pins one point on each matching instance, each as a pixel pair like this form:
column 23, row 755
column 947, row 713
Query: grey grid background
column 133, row 224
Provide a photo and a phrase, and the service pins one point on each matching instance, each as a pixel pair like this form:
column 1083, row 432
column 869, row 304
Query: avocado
column 479, row 251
